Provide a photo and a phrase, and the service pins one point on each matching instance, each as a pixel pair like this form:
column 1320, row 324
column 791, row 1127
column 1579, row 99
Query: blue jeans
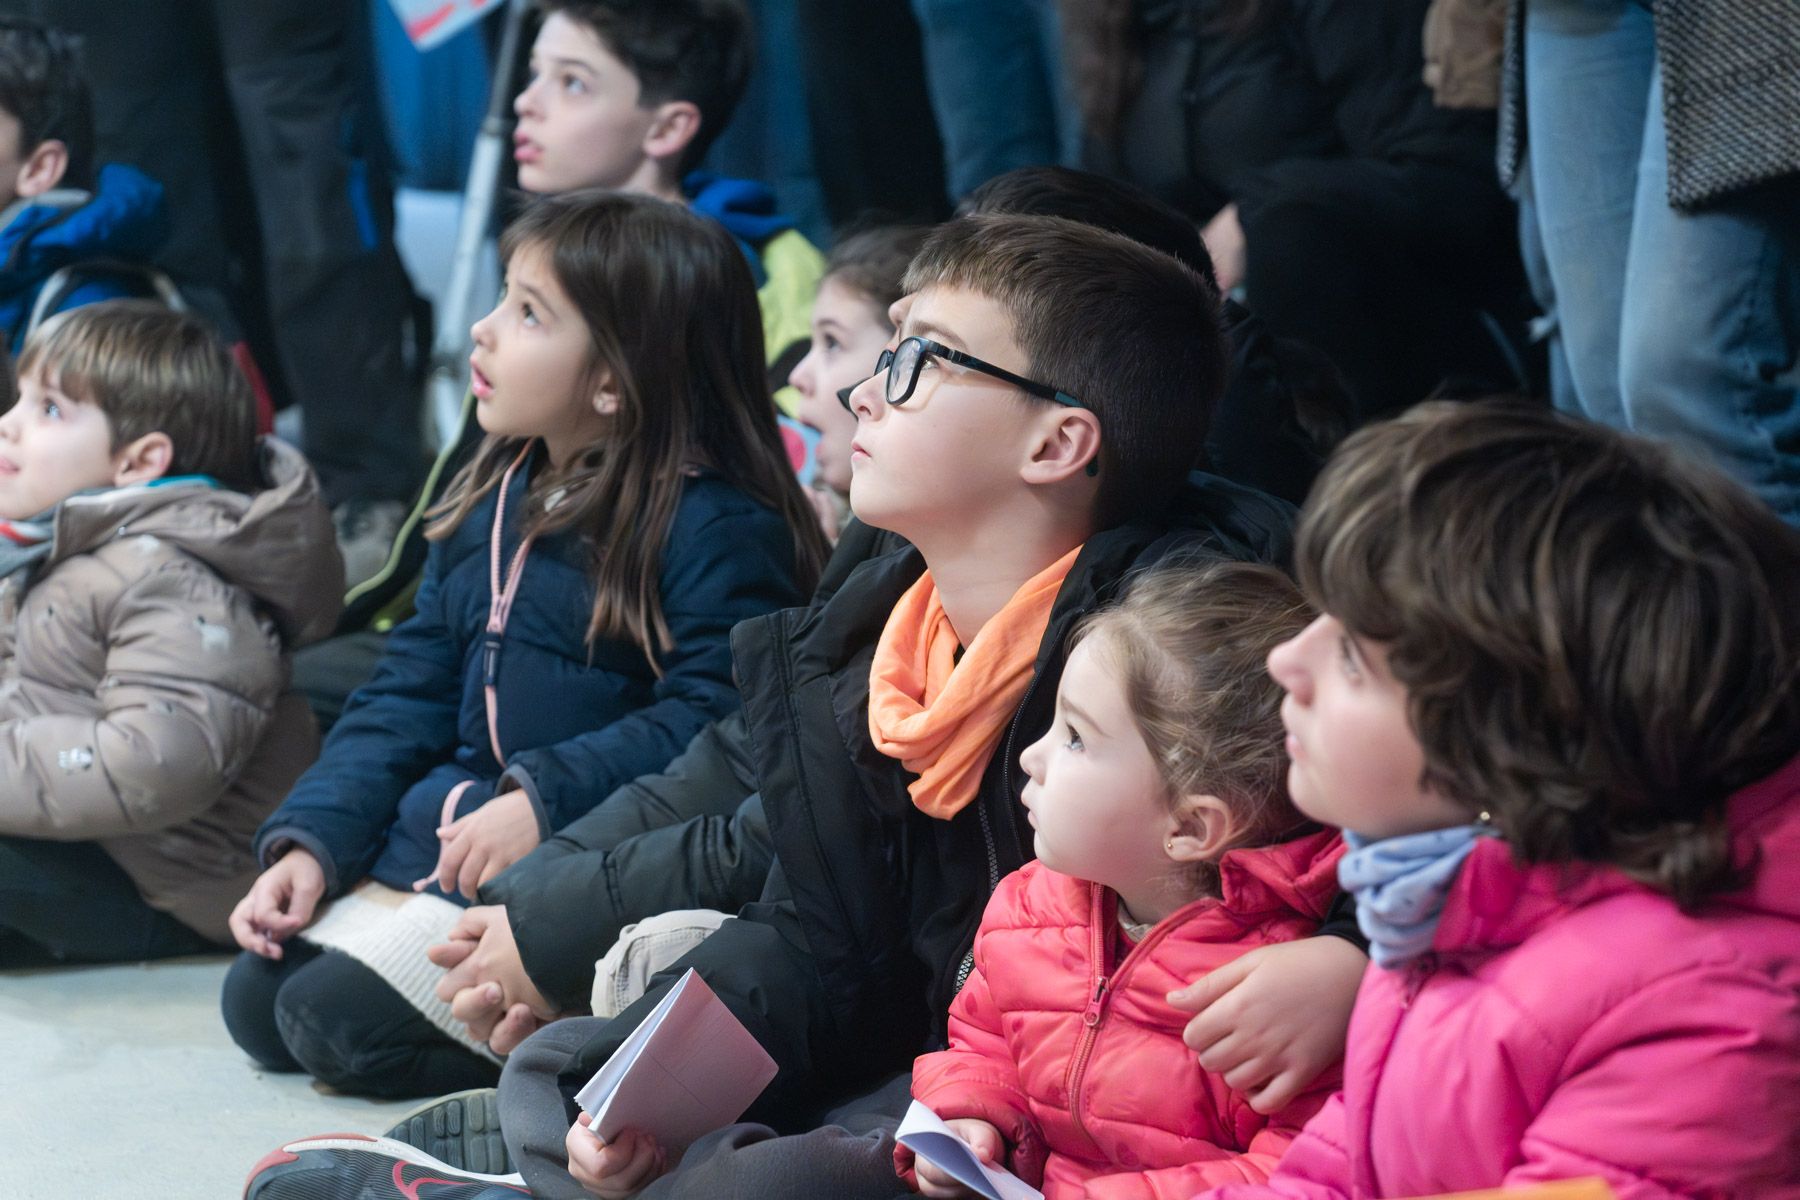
column 1683, row 326
column 994, row 71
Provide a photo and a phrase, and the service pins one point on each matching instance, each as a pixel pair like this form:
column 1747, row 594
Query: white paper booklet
column 929, row 1138
column 689, row 1069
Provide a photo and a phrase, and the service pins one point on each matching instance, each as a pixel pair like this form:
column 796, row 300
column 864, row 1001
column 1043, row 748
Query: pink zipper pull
column 1096, row 1006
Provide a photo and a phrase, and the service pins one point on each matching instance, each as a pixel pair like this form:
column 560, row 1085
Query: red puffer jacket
column 1075, row 1053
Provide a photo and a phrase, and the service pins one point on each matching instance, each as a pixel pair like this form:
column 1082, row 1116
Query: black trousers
column 322, row 1012
column 259, row 119
column 69, row 902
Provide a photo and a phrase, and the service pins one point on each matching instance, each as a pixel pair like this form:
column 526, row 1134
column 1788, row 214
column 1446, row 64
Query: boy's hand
column 279, row 904
column 1271, row 1021
column 479, row 846
column 982, row 1137
column 484, row 973
column 630, row 1163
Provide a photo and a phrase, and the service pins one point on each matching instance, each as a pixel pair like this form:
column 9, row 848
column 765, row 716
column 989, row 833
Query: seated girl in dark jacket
column 630, row 504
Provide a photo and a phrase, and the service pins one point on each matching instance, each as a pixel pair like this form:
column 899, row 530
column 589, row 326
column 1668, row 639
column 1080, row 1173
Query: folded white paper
column 689, row 1069
column 927, row 1136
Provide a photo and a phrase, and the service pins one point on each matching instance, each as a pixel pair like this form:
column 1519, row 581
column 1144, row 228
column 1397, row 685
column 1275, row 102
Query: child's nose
column 1287, row 662
column 526, row 101
column 800, row 378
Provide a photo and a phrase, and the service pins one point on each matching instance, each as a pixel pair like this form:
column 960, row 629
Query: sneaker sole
column 354, row 1166
column 462, row 1129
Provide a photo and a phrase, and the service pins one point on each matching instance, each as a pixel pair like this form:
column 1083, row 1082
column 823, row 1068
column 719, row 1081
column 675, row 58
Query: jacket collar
column 1497, row 902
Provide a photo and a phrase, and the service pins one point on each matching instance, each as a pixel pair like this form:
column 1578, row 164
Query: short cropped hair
column 1130, row 332
column 1598, row 635
column 700, row 51
column 1093, row 199
column 1189, row 643
column 43, row 86
column 150, row 370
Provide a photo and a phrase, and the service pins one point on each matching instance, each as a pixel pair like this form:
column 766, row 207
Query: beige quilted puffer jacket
column 144, row 695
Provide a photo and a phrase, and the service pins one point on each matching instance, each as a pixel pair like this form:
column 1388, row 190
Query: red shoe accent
column 411, row 1190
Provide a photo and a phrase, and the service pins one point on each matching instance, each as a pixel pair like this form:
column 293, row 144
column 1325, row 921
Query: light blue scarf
column 1400, row 883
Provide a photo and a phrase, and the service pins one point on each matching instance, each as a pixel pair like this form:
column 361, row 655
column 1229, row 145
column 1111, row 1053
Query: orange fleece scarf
column 940, row 717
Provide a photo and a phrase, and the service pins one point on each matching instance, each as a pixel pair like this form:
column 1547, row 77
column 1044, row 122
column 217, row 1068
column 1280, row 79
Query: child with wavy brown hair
column 1166, row 847
column 1553, row 701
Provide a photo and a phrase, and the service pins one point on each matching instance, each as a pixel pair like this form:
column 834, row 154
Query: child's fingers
column 1201, row 993
column 451, row 954
column 450, row 861
column 469, row 872
column 518, row 1024
column 484, row 1002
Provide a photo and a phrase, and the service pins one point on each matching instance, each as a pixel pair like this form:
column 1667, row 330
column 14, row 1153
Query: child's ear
column 1067, row 443
column 1204, row 828
column 606, row 395
column 143, row 460
column 42, row 169
column 673, row 127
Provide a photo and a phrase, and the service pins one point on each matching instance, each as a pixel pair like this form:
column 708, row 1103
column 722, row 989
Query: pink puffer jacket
column 1573, row 1023
column 1075, row 1055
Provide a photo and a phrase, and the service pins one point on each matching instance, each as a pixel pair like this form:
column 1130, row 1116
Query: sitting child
column 157, row 572
column 850, row 326
column 630, row 503
column 49, row 220
column 1553, row 702
column 1166, row 847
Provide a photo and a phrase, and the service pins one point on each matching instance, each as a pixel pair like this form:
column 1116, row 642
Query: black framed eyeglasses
column 903, row 363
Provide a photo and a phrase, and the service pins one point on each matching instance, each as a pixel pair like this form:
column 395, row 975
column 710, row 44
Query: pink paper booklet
column 689, row 1069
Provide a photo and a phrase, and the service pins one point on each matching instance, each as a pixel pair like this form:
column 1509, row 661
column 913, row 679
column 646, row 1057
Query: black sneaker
column 462, row 1129
column 354, row 1166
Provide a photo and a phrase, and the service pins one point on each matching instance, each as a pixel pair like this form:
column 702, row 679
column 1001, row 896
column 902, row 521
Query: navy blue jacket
column 575, row 725
column 123, row 220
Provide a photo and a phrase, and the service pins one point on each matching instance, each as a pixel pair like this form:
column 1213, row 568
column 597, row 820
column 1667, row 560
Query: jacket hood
column 1497, row 902
column 124, row 217
column 1299, row 876
column 278, row 544
column 743, row 206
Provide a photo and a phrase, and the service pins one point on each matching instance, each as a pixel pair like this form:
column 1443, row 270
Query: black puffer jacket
column 845, row 968
column 692, row 836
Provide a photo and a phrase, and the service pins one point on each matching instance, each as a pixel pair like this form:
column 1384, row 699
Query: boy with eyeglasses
column 1030, row 436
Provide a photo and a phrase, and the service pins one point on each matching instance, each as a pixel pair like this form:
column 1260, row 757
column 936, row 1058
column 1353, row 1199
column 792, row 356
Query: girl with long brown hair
column 630, row 503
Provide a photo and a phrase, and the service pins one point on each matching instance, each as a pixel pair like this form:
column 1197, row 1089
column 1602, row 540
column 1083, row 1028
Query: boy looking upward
column 158, row 567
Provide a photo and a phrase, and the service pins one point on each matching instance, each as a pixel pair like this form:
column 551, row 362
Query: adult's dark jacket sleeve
column 690, row 837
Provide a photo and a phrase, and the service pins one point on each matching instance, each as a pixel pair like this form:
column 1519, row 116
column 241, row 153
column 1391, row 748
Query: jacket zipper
column 1099, row 939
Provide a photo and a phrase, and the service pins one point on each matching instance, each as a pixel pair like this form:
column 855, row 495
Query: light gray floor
column 121, row 1082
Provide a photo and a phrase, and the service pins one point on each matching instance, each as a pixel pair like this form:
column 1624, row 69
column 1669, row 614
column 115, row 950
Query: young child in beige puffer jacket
column 157, row 567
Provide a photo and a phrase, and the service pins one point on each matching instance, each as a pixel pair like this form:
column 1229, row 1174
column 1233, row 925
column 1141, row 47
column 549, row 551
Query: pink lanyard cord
column 500, row 606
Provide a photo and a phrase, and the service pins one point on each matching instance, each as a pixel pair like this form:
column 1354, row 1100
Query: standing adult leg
column 1587, row 85
column 994, row 94
column 1710, row 335
column 338, row 297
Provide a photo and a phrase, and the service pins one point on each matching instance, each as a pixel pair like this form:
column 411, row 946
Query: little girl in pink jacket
column 1166, row 848
column 1554, row 701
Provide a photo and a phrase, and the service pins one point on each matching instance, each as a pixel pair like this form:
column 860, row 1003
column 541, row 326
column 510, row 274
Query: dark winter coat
column 845, row 968
column 122, row 220
column 693, row 836
column 575, row 722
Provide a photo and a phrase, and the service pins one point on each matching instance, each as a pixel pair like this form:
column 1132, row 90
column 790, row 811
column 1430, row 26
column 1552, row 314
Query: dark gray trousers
column 850, row 1157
